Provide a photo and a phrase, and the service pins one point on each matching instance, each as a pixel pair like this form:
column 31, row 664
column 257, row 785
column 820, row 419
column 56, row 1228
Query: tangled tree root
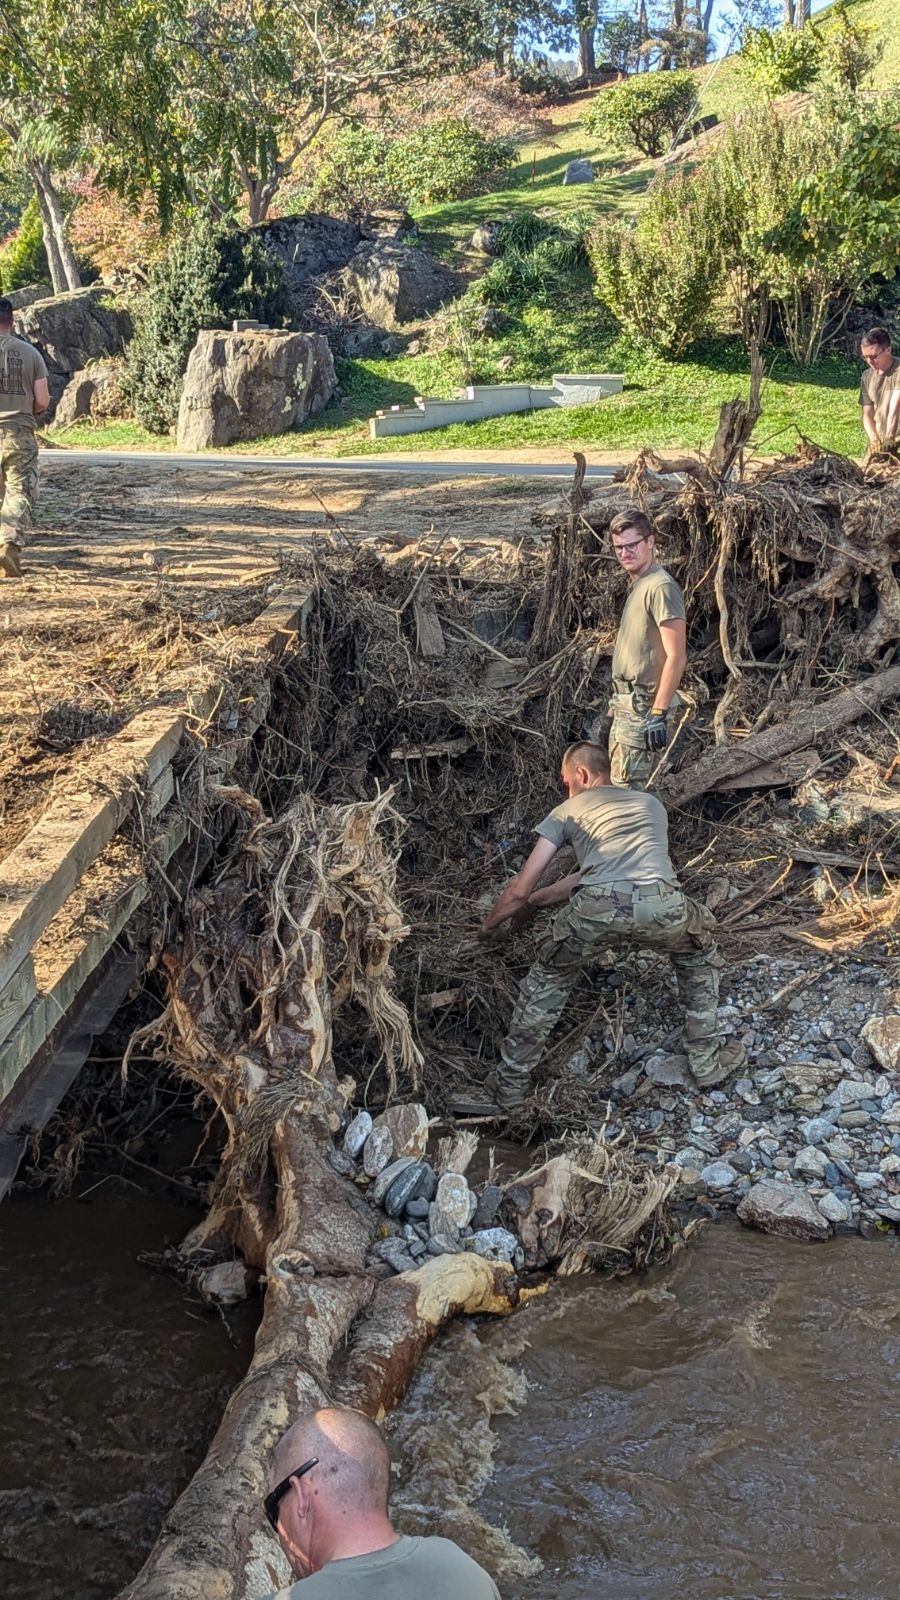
column 302, row 922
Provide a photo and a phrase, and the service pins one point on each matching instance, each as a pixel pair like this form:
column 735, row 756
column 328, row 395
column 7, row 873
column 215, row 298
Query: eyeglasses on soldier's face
column 622, row 549
column 272, row 1501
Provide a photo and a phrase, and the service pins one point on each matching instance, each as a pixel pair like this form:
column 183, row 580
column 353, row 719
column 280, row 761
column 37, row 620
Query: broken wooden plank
column 439, row 1000
column 503, row 674
column 430, row 640
column 440, row 747
column 811, row 722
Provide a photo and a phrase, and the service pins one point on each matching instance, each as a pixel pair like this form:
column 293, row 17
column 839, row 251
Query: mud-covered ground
column 136, row 576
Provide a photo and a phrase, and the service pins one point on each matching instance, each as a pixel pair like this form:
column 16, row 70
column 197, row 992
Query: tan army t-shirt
column 20, row 367
column 638, row 655
column 876, row 389
column 408, row 1570
column 617, row 835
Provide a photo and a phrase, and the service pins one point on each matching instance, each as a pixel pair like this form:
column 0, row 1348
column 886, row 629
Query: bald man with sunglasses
column 649, row 657
column 328, row 1505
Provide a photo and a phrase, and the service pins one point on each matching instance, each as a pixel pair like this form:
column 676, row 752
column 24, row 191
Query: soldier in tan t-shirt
column 649, row 655
column 24, row 393
column 879, row 389
column 624, row 897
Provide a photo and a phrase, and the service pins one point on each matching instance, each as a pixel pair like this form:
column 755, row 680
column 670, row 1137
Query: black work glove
column 656, row 731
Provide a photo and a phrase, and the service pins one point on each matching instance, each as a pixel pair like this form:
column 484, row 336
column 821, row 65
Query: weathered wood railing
column 70, row 890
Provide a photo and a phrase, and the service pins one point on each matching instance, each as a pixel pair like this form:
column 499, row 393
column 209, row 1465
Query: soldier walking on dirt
column 24, row 394
column 625, row 896
column 649, row 655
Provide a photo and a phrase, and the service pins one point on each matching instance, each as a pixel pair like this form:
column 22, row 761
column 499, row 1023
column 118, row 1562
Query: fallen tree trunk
column 805, row 726
column 300, row 921
column 215, row 1543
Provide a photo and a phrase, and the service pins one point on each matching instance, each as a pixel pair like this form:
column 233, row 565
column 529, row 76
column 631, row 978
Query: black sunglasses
column 273, row 1500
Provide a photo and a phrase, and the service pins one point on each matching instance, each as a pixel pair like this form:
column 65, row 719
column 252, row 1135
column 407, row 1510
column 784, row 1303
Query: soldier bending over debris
column 625, row 896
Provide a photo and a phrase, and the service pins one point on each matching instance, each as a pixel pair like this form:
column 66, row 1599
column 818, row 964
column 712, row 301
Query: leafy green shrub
column 351, row 175
column 781, row 60
column 660, row 274
column 537, row 260
column 206, row 279
column 849, row 48
column 645, row 111
column 446, row 160
column 24, row 260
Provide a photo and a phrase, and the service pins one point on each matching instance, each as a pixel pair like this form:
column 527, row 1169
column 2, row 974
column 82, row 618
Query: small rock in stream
column 396, row 1254
column 496, row 1244
column 441, row 1244
column 784, row 1209
column 386, row 1177
column 454, row 1198
column 718, row 1176
column 341, row 1162
column 404, row 1188
column 377, row 1151
column 487, row 1207
column 835, row 1210
column 357, row 1133
column 227, row 1283
column 417, row 1208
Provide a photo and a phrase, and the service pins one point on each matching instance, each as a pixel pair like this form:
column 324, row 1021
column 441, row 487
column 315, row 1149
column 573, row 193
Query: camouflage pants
column 18, row 481
column 621, row 917
column 631, row 763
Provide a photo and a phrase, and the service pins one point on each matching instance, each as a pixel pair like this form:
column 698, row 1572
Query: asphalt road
column 384, row 465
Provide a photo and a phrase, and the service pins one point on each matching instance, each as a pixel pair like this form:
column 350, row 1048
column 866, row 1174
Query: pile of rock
column 429, row 1207
column 811, row 1130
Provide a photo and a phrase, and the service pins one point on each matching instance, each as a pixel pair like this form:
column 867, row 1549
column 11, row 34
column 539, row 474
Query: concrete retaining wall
column 494, row 400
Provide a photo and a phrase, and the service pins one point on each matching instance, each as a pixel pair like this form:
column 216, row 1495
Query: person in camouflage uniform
column 24, row 393
column 648, row 658
column 625, row 896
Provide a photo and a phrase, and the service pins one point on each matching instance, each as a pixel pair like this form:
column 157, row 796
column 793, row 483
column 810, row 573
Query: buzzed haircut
column 354, row 1467
column 6, row 309
column 879, row 337
column 623, row 521
column 585, row 753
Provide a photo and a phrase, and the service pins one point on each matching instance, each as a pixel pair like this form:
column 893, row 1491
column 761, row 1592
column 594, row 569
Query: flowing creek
column 113, row 1381
column 725, row 1428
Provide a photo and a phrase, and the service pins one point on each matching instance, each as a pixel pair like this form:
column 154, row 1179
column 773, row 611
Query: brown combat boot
column 11, row 560
column 731, row 1058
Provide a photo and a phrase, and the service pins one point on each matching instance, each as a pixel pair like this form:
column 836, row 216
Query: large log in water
column 301, row 919
column 331, row 1330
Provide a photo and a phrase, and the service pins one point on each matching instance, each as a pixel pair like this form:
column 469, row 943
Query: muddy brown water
column 112, row 1383
column 724, row 1429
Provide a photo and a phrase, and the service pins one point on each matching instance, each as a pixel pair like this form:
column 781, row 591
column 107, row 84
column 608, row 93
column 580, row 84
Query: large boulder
column 247, row 385
column 77, row 328
column 96, row 392
column 27, row 295
column 394, row 283
column 308, row 245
